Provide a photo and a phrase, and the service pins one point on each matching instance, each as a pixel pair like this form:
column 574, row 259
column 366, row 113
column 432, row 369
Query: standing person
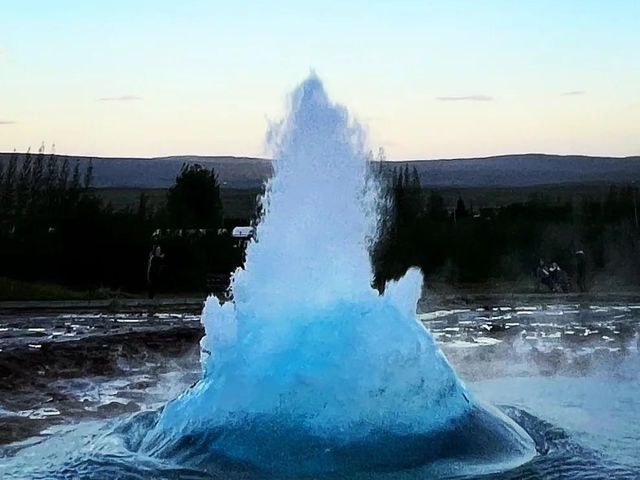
column 559, row 278
column 581, row 270
column 154, row 269
column 554, row 276
column 542, row 275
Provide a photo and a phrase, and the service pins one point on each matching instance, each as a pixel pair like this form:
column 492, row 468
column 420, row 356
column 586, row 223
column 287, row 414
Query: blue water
column 584, row 428
column 592, row 420
column 582, row 415
column 309, row 370
column 310, row 373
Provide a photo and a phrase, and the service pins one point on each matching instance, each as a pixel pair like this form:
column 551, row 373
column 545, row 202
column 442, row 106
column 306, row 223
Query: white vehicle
column 243, row 233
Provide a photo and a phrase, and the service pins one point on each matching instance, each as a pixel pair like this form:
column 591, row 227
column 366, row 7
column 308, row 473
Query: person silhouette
column 154, row 269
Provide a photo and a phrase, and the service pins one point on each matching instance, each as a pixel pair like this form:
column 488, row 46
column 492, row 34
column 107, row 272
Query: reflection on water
column 61, row 368
column 18, row 330
column 577, row 367
column 535, row 340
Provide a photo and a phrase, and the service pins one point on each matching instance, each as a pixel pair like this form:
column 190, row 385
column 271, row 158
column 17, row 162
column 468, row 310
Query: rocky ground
column 57, row 368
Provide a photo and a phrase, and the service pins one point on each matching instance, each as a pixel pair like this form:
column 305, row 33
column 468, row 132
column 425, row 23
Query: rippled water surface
column 569, row 374
column 31, row 330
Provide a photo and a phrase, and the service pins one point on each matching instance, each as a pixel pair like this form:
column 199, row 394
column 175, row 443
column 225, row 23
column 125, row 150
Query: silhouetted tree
column 142, row 206
column 36, row 180
column 7, row 199
column 194, row 201
column 415, row 179
column 436, row 210
column 461, row 209
column 24, row 180
column 88, row 175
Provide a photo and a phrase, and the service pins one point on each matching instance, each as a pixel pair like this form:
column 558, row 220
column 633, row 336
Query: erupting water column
column 309, row 370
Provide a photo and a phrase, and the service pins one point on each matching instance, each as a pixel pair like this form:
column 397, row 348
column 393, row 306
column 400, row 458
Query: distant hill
column 501, row 171
column 161, row 172
column 527, row 170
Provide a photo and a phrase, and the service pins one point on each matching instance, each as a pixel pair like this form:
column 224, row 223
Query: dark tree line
column 54, row 228
column 39, row 188
column 462, row 245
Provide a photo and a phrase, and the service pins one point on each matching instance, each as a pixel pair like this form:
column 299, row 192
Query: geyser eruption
column 309, row 370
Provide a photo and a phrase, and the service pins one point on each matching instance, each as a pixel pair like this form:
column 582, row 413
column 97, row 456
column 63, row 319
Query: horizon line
column 250, row 157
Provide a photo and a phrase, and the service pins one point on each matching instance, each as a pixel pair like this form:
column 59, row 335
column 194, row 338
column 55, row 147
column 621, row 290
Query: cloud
column 7, row 122
column 573, row 93
column 467, row 98
column 121, row 98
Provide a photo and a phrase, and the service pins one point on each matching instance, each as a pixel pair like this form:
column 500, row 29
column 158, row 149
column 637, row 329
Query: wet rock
column 116, row 408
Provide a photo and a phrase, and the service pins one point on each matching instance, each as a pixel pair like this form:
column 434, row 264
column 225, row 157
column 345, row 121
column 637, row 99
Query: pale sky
column 428, row 79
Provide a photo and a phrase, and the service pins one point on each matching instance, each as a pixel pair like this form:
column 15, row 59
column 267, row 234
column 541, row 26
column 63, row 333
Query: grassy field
column 237, row 203
column 19, row 290
column 241, row 203
column 121, row 198
column 499, row 196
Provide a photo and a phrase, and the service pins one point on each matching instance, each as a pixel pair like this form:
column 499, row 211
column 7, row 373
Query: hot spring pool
column 569, row 374
column 309, row 373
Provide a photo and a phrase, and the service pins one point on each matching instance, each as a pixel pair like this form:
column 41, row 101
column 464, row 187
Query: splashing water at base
column 308, row 369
